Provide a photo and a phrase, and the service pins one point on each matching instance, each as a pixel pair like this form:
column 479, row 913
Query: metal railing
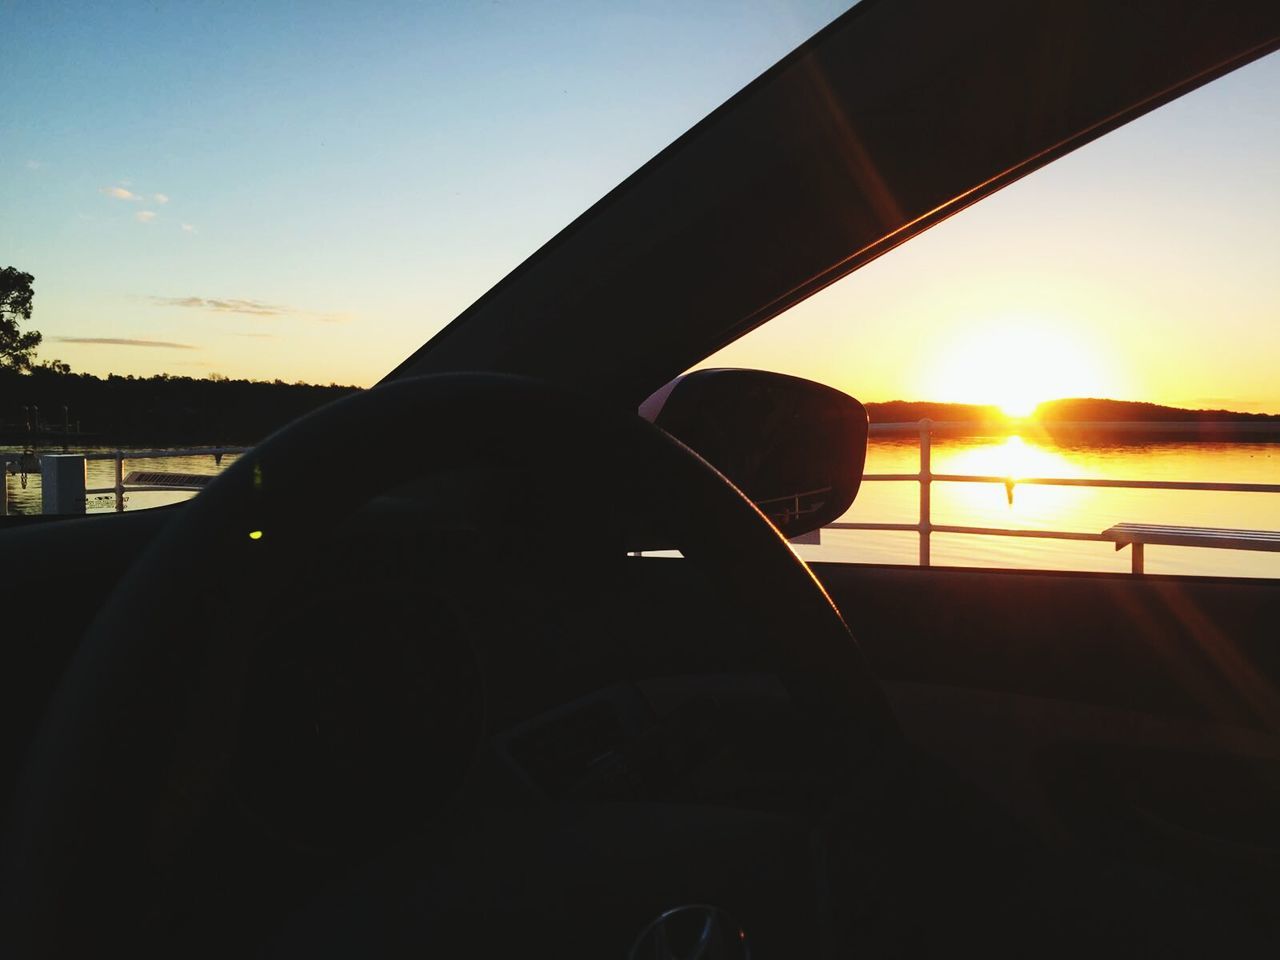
column 924, row 527
column 925, row 477
column 118, row 457
column 74, row 499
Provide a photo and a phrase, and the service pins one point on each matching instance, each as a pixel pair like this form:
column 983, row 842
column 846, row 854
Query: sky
column 1143, row 266
column 310, row 191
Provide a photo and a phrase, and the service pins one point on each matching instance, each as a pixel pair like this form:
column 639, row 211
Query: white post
column 62, row 485
column 119, row 482
column 926, row 479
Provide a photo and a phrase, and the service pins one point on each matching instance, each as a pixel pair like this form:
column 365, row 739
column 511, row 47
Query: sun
column 1014, row 365
column 1019, row 407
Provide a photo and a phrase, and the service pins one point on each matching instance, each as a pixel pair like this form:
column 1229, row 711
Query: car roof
column 897, row 115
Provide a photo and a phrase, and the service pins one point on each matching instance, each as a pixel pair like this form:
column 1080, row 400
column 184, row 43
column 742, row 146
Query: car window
column 1143, row 268
column 230, row 213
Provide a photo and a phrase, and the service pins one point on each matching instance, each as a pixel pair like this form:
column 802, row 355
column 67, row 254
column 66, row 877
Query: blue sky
column 367, row 168
column 310, row 190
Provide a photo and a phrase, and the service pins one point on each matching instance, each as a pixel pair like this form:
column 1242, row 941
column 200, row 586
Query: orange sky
column 1145, row 266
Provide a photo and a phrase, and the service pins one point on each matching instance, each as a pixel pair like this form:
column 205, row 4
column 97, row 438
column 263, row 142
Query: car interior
column 559, row 675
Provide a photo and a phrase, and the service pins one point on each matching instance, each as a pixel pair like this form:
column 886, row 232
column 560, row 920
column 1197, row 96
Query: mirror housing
column 796, row 448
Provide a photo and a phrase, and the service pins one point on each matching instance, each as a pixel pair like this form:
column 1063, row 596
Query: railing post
column 119, row 462
column 1138, row 558
column 4, row 487
column 62, row 483
column 926, row 481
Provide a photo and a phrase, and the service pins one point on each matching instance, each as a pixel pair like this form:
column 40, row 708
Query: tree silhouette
column 16, row 293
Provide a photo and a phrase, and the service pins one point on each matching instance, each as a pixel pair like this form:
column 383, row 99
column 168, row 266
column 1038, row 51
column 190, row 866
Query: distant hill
column 1093, row 410
column 908, row 411
column 80, row 409
column 1059, row 419
column 1078, row 409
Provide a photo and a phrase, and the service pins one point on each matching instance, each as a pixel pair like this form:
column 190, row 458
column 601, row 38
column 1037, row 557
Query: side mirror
column 795, row 447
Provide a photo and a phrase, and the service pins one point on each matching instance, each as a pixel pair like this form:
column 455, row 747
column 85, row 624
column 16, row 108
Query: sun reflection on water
column 999, row 505
column 1014, row 458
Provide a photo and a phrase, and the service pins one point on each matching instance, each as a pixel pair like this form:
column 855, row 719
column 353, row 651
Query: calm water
column 1063, row 508
column 985, row 505
column 101, row 473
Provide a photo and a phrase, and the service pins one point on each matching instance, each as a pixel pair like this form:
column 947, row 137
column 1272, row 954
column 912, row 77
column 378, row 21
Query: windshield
column 1110, row 319
column 215, row 217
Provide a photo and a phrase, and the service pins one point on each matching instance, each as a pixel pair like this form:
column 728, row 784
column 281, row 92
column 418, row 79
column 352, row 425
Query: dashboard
column 409, row 669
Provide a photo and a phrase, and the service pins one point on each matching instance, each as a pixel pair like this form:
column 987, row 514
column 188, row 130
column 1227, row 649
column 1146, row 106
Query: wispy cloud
column 248, row 308
column 34, row 164
column 188, row 228
column 145, row 216
column 259, row 336
column 121, row 191
column 125, row 342
column 253, row 308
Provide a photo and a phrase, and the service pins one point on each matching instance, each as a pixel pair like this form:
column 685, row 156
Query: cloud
column 125, row 342
column 34, row 164
column 121, row 191
column 145, row 216
column 248, row 308
column 259, row 336
column 188, row 228
column 252, row 308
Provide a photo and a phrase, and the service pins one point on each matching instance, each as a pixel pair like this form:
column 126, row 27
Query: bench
column 178, row 481
column 1138, row 535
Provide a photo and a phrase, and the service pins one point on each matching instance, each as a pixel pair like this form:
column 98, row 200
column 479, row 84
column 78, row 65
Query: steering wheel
column 113, row 758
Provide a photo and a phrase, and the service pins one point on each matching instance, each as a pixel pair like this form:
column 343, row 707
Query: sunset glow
column 1014, row 365
column 1089, row 278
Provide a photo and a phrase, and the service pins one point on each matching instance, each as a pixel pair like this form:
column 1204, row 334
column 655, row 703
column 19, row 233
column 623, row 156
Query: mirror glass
column 795, row 447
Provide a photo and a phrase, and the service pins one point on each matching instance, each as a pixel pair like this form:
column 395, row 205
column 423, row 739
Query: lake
column 1083, row 509
column 101, row 473
column 971, row 504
